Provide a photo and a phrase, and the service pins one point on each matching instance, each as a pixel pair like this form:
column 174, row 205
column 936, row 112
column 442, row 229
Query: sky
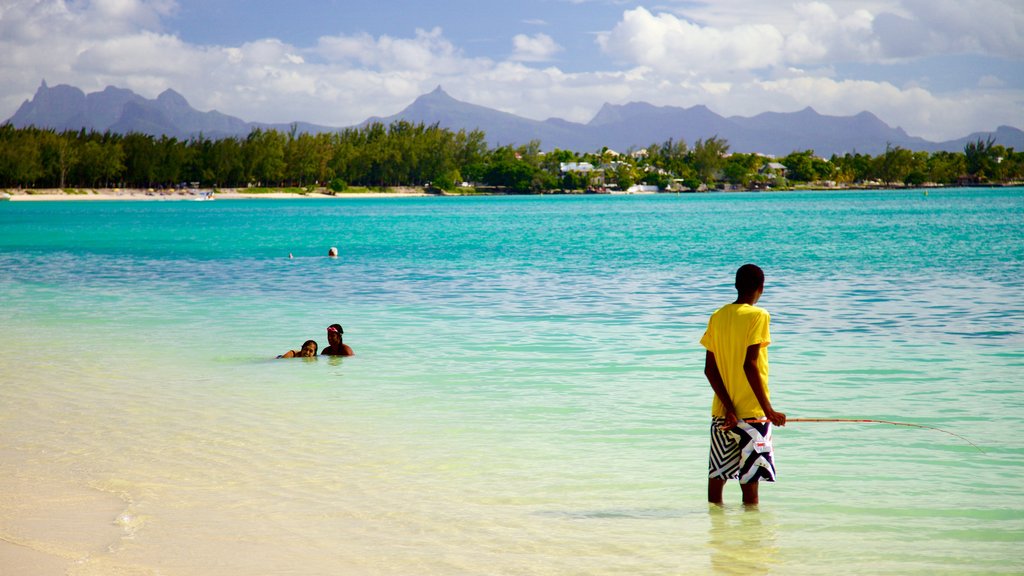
column 939, row 69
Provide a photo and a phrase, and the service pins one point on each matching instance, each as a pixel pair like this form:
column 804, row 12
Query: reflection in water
column 742, row 540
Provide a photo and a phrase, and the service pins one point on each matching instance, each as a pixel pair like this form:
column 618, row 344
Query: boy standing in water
column 736, row 366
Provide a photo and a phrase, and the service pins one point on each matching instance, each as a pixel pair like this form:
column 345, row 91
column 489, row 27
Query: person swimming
column 308, row 350
column 336, row 347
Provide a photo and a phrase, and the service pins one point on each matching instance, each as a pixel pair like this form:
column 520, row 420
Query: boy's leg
column 715, row 487
column 749, row 493
column 723, row 460
column 758, row 458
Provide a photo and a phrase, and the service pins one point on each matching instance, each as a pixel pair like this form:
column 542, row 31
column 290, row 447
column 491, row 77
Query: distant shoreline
column 101, row 194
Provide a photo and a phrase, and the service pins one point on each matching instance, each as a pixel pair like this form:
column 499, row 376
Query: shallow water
column 527, row 395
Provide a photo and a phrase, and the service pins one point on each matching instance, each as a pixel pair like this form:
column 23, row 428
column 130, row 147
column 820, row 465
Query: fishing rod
column 871, row 421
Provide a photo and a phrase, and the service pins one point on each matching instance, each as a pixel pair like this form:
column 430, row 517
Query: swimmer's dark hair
column 336, row 327
column 749, row 278
column 309, row 344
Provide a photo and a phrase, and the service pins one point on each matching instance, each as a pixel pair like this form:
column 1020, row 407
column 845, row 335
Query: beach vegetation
column 945, row 167
column 574, row 181
column 406, row 154
column 894, row 165
column 979, row 158
column 448, row 181
column 852, row 168
column 625, row 175
column 656, row 178
column 741, row 170
column 806, row 167
column 986, row 161
column 707, row 158
column 338, row 185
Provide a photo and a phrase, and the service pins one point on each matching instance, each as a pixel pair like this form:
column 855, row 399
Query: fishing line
column 870, row 421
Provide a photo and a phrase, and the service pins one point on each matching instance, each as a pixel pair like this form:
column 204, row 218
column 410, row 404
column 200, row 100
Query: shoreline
column 101, row 194
column 104, row 194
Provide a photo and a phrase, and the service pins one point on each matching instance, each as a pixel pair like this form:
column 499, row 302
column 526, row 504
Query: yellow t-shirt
column 731, row 330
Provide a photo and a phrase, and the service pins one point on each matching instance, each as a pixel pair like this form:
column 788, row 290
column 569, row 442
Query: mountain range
column 122, row 111
column 617, row 126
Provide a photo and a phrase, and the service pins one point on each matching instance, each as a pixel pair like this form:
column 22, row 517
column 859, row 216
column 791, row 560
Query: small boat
column 203, row 196
column 4, row 197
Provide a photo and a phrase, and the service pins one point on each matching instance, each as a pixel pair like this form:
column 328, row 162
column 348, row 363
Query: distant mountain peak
column 120, row 110
column 56, row 106
column 45, row 90
column 171, row 98
column 612, row 113
column 617, row 126
column 436, row 96
column 642, row 123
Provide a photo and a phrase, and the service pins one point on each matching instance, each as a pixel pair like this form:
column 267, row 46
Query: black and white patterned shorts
column 742, row 453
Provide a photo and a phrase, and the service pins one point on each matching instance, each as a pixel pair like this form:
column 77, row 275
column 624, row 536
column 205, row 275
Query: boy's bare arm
column 715, row 379
column 757, row 385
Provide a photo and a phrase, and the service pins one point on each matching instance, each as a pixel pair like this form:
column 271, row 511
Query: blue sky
column 939, row 69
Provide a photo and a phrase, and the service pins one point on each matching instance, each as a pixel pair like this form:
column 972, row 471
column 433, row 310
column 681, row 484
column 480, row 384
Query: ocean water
column 527, row 394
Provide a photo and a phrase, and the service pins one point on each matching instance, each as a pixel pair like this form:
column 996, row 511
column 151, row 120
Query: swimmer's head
column 334, row 332
column 333, row 252
column 308, row 350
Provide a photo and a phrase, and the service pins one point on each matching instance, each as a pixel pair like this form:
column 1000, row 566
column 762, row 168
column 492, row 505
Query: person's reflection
column 742, row 540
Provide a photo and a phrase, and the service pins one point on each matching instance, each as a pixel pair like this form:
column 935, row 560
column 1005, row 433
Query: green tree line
column 408, row 154
column 402, row 154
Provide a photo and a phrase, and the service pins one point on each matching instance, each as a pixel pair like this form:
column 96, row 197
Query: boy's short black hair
column 749, row 278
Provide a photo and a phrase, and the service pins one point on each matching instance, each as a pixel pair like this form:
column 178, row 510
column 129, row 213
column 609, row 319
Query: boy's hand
column 730, row 421
column 776, row 418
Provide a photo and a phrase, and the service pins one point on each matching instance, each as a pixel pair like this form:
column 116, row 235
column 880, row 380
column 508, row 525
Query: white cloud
column 145, row 53
column 989, row 81
column 668, row 43
column 536, row 48
column 140, row 13
column 993, row 27
column 814, row 34
column 822, row 35
column 428, row 51
column 269, row 52
column 865, row 30
column 773, row 58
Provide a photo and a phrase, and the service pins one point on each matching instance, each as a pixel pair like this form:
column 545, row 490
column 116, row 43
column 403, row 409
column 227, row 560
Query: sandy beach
column 42, row 195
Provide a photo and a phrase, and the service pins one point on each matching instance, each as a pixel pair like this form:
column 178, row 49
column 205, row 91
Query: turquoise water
column 527, row 394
